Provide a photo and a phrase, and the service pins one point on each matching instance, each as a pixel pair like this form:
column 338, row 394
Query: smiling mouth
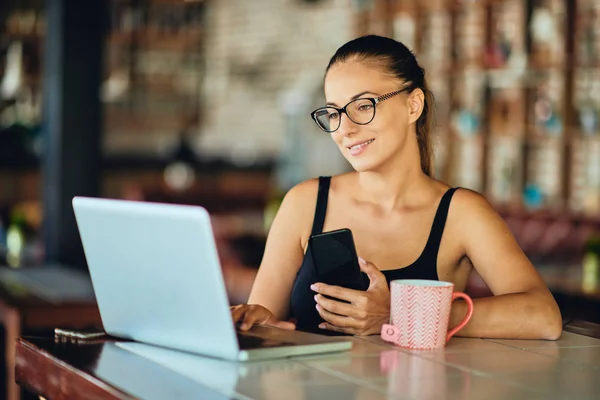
column 361, row 145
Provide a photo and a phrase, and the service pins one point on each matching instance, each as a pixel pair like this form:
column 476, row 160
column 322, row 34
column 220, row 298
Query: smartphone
column 335, row 260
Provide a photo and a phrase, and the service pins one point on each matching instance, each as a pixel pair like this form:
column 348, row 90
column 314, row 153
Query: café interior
column 207, row 103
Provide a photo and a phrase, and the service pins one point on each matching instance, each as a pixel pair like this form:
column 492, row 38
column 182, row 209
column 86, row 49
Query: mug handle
column 390, row 333
column 467, row 317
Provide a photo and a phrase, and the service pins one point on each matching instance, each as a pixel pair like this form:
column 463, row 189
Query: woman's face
column 369, row 146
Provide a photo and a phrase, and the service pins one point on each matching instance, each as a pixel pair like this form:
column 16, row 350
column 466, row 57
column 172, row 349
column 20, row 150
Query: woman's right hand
column 255, row 314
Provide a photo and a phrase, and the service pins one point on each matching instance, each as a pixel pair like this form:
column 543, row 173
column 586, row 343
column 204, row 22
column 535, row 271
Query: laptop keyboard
column 248, row 342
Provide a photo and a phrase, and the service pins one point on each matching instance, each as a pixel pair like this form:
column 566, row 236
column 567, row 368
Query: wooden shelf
column 149, row 121
column 142, row 162
column 148, row 39
column 34, row 37
column 520, row 211
column 137, row 162
column 166, row 2
column 22, row 165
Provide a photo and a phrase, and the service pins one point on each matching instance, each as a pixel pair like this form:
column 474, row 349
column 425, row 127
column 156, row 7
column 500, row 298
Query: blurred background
column 207, row 103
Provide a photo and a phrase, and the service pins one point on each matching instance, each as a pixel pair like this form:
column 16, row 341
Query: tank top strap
column 437, row 229
column 321, row 209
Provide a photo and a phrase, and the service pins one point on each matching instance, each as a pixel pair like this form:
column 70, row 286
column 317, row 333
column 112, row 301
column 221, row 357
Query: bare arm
column 283, row 251
column 522, row 306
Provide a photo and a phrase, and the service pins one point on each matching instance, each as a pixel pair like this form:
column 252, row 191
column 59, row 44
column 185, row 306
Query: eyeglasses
column 360, row 111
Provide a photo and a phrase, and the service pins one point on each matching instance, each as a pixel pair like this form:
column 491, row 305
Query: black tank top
column 425, row 267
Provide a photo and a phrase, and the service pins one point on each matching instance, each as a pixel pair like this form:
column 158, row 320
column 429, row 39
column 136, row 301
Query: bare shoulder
column 301, row 201
column 303, row 194
column 343, row 183
column 478, row 220
column 298, row 207
column 468, row 204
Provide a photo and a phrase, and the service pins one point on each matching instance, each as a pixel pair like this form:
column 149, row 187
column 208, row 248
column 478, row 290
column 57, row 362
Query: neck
column 396, row 184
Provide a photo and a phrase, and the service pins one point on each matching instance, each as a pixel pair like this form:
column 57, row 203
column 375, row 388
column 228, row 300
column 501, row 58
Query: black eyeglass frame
column 373, row 100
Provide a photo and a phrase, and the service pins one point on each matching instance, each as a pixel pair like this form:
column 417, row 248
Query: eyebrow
column 356, row 96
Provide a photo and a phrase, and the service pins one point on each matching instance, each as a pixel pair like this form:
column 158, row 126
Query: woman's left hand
column 366, row 311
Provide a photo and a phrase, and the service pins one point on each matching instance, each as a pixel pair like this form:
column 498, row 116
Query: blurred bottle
column 591, row 264
column 12, row 78
column 2, row 242
column 15, row 239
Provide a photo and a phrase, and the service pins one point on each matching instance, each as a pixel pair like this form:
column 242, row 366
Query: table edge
column 24, row 348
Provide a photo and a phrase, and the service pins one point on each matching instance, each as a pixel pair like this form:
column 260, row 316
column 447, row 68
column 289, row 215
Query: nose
column 347, row 126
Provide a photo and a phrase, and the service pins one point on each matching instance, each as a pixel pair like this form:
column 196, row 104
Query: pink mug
column 420, row 313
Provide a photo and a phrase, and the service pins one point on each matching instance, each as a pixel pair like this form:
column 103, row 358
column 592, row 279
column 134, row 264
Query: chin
column 363, row 165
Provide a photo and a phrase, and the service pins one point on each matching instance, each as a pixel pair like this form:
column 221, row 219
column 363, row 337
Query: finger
column 376, row 277
column 338, row 320
column 338, row 292
column 337, row 307
column 290, row 326
column 334, row 328
column 248, row 322
column 237, row 312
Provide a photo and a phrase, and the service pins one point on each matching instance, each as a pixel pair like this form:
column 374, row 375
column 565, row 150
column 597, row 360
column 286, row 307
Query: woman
column 405, row 223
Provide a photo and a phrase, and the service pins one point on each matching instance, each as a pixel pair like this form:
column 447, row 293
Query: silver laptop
column 158, row 280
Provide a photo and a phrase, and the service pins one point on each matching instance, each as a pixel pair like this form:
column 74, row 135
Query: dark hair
column 397, row 60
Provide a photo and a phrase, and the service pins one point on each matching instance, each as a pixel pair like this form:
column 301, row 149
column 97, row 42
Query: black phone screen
column 335, row 259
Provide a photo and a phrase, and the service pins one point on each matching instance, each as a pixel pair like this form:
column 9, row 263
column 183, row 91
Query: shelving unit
column 150, row 104
column 584, row 186
column 151, row 97
column 22, row 28
column 153, row 73
column 516, row 85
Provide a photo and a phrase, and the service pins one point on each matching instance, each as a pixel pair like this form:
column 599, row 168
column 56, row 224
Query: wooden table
column 23, row 310
column 466, row 368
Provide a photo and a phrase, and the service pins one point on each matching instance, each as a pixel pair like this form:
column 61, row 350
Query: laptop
column 158, row 280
